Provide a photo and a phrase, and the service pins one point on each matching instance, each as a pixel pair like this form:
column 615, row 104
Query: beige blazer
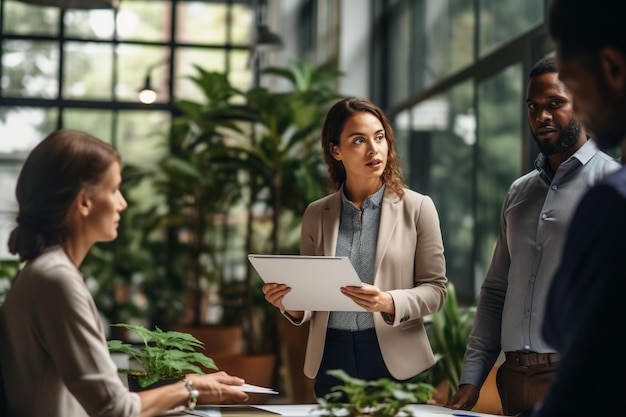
column 409, row 264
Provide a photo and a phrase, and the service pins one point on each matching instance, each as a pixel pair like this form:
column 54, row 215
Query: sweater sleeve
column 68, row 325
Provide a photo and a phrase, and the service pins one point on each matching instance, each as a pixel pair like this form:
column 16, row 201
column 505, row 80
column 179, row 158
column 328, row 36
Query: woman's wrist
column 290, row 316
column 194, row 394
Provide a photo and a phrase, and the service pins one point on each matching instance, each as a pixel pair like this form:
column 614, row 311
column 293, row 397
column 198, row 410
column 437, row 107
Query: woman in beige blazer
column 392, row 237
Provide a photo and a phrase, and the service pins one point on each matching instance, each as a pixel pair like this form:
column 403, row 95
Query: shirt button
column 544, row 215
column 526, row 347
column 554, row 187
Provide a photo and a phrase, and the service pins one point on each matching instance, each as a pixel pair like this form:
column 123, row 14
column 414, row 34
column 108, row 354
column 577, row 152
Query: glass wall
column 504, row 20
column 82, row 69
column 461, row 125
column 432, row 37
column 499, row 155
column 439, row 138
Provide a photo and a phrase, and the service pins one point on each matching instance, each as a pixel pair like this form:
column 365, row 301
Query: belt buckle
column 518, row 364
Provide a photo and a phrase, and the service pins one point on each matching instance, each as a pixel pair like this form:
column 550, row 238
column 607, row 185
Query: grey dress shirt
column 533, row 225
column 358, row 233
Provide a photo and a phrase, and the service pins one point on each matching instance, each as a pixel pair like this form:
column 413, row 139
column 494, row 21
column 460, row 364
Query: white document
column 295, row 410
column 256, row 389
column 312, row 410
column 315, row 281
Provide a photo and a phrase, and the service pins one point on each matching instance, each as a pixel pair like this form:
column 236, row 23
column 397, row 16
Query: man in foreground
column 586, row 300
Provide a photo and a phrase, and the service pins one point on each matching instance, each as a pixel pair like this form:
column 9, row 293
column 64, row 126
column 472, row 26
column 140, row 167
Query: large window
column 499, row 155
column 439, row 138
column 82, row 69
column 454, row 80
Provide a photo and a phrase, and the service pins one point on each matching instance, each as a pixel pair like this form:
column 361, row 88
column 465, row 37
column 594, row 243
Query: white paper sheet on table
column 292, row 410
column 417, row 410
column 311, row 410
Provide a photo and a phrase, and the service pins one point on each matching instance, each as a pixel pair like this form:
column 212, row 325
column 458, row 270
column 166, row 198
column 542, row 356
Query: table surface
column 309, row 410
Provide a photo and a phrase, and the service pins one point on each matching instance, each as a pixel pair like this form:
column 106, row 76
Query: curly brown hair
column 334, row 123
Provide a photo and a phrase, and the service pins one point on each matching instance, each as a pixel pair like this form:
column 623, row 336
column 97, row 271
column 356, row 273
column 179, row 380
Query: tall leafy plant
column 200, row 191
column 282, row 163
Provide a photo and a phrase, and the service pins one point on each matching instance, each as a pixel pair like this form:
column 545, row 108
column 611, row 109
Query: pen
column 462, row 415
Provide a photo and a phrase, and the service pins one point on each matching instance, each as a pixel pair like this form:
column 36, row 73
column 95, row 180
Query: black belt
column 532, row 359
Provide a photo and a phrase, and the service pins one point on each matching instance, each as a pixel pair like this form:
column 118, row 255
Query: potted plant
column 283, row 170
column 163, row 356
column 379, row 398
column 199, row 190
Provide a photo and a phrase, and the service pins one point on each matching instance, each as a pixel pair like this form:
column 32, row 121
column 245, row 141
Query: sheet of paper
column 229, row 411
column 311, row 410
column 315, row 281
column 428, row 410
column 257, row 390
column 292, row 410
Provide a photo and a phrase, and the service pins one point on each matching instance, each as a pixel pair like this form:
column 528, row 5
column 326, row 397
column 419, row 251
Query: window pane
column 499, row 154
column 89, row 24
column 87, row 70
column 243, row 22
column 186, row 58
column 142, row 136
column 201, row 22
column 135, row 62
column 399, row 60
column 147, row 20
column 25, row 19
column 240, row 75
column 8, row 204
column 30, row 69
column 447, row 28
column 96, row 122
column 434, row 37
column 21, row 128
column 502, row 20
column 142, row 141
column 451, row 172
column 440, row 135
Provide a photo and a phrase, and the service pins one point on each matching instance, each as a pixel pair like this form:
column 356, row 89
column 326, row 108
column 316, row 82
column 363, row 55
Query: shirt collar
column 375, row 199
column 584, row 154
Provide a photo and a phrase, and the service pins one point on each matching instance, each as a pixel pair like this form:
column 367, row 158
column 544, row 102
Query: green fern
column 379, row 398
column 163, row 355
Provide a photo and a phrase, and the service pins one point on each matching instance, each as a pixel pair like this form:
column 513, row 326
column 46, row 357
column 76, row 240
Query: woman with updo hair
column 53, row 349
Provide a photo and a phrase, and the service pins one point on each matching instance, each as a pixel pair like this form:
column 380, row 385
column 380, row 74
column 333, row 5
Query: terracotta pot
column 217, row 339
column 255, row 369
